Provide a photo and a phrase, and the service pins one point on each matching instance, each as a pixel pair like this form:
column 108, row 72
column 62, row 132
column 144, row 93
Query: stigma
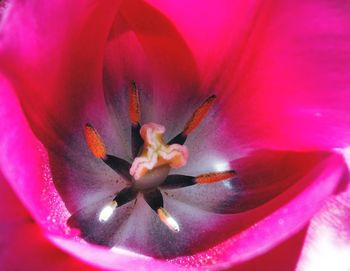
column 155, row 153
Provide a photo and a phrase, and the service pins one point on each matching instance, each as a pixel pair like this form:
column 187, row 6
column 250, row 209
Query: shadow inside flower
column 207, row 214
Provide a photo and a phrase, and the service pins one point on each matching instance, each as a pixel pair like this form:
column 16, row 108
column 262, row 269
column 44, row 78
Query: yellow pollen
column 156, row 153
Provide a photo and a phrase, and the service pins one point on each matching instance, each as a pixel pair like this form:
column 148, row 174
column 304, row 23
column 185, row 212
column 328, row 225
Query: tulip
column 275, row 135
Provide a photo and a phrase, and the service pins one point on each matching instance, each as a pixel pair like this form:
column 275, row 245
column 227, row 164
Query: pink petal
column 284, row 66
column 282, row 257
column 52, row 52
column 254, row 119
column 23, row 246
column 291, row 211
column 24, row 163
column 294, row 200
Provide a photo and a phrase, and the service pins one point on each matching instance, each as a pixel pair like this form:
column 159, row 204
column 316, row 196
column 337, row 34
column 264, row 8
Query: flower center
column 156, row 158
column 152, row 162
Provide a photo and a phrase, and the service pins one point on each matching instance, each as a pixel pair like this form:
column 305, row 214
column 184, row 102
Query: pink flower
column 280, row 73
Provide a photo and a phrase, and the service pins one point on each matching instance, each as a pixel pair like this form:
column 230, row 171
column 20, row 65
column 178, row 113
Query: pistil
column 156, row 153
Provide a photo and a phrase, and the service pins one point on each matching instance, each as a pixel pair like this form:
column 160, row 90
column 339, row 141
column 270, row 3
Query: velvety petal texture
column 281, row 80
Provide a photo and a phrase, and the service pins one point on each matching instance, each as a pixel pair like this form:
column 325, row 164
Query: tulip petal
column 261, row 176
column 291, row 211
column 240, row 203
column 19, row 232
column 54, row 61
column 19, row 143
column 284, row 66
column 282, row 257
column 146, row 48
column 241, row 121
column 87, row 221
column 25, row 165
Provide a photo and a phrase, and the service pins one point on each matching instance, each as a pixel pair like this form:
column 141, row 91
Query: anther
column 124, row 196
column 135, row 116
column 98, row 149
column 168, row 220
column 155, row 201
column 194, row 121
column 179, row 181
column 107, row 211
column 199, row 115
column 215, row 177
column 134, row 104
column 94, row 142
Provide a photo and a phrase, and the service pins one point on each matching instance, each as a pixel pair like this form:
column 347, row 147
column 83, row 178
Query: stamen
column 215, row 177
column 134, row 104
column 168, row 220
column 154, row 159
column 119, row 165
column 124, row 196
column 107, row 211
column 198, row 115
column 177, row 181
column 98, row 149
column 94, row 142
column 155, row 201
column 194, row 121
column 135, row 116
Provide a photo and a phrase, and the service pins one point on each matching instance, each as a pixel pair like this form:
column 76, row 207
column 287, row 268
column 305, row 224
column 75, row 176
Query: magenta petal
column 49, row 59
column 285, row 71
column 292, row 210
column 282, row 257
column 49, row 211
column 268, row 103
column 23, row 161
column 32, row 182
column 21, row 238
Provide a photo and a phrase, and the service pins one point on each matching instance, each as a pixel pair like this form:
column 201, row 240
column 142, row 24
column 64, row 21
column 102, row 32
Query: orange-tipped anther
column 168, row 220
column 94, row 142
column 214, row 177
column 134, row 103
column 199, row 114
